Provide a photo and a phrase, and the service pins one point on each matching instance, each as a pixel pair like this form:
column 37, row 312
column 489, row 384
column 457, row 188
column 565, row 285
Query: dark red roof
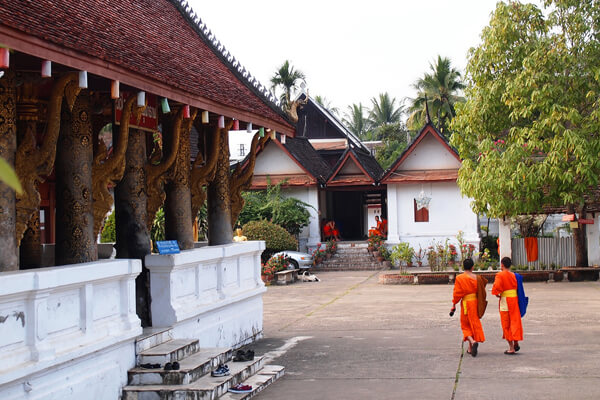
column 151, row 38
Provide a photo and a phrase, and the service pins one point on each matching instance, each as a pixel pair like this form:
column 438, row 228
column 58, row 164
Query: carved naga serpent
column 292, row 110
column 31, row 163
column 241, row 179
column 203, row 174
column 155, row 174
column 107, row 171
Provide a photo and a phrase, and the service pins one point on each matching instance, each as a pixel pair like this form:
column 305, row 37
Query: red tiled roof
column 261, row 181
column 432, row 175
column 148, row 37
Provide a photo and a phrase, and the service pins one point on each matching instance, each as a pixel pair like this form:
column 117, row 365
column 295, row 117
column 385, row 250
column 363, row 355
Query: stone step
column 191, row 369
column 205, row 388
column 173, row 350
column 259, row 382
column 152, row 337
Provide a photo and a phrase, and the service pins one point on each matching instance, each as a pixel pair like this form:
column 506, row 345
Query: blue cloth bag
column 523, row 300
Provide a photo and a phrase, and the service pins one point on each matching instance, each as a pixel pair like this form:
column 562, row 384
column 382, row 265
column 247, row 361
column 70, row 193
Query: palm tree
column 326, row 103
column 355, row 119
column 384, row 111
column 286, row 79
column 440, row 88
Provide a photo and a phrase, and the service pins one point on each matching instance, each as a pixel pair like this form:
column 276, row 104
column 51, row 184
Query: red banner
column 568, row 217
column 149, row 118
column 586, row 221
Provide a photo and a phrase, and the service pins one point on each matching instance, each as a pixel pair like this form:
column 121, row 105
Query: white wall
column 235, row 139
column 213, row 294
column 350, row 168
column 309, row 235
column 430, row 154
column 449, row 213
column 68, row 332
column 274, row 161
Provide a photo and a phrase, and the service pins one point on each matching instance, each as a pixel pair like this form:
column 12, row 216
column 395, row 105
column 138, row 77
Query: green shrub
column 109, row 235
column 276, row 238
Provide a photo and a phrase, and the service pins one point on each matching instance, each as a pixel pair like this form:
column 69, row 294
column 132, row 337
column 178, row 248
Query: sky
column 350, row 51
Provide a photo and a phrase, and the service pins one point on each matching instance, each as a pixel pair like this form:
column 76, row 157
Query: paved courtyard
column 348, row 337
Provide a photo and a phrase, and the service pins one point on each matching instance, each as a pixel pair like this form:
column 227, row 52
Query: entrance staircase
column 193, row 381
column 350, row 256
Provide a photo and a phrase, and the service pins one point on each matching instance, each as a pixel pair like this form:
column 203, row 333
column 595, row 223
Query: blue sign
column 167, row 247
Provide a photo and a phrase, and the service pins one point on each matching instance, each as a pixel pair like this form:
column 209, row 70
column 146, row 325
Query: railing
column 49, row 316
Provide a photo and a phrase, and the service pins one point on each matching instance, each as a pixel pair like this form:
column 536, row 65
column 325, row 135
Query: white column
column 392, row 213
column 593, row 242
column 314, row 235
column 505, row 242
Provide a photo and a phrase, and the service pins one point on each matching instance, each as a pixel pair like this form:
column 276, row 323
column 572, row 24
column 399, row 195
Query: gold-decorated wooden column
column 219, row 200
column 74, row 217
column 8, row 147
column 133, row 237
column 178, row 203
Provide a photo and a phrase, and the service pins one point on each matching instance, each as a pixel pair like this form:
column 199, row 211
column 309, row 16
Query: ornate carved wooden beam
column 241, row 179
column 155, row 173
column 31, row 163
column 106, row 171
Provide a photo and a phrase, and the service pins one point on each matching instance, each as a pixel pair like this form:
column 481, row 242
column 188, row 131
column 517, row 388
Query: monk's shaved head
column 468, row 264
column 507, row 262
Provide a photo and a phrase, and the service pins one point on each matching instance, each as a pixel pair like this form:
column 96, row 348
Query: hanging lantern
column 115, row 91
column 249, row 127
column 422, row 201
column 273, row 134
column 186, row 111
column 46, row 69
column 4, row 58
column 83, row 82
column 205, row 117
column 282, row 139
column 141, row 99
column 164, row 104
column 236, row 125
column 221, row 122
column 261, row 132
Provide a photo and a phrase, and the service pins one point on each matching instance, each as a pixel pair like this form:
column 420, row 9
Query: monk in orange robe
column 465, row 290
column 505, row 288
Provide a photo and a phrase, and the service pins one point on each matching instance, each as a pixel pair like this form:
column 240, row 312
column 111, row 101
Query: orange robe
column 511, row 320
column 469, row 322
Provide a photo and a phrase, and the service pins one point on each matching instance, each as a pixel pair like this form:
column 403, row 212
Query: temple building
column 154, row 76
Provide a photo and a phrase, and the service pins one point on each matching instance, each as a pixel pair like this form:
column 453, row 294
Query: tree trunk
column 8, row 148
column 75, row 242
column 579, row 237
column 219, row 200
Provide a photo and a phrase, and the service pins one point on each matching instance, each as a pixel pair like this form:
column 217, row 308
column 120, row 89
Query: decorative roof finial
column 427, row 117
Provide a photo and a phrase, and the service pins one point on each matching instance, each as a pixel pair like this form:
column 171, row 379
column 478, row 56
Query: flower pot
column 371, row 249
column 380, row 258
column 375, row 254
column 409, row 264
column 419, row 263
column 267, row 279
column 558, row 276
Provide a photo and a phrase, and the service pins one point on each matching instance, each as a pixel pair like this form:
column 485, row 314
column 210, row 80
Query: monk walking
column 505, row 288
column 465, row 290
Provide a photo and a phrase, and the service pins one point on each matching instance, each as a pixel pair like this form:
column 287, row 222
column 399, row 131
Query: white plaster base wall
column 449, row 213
column 309, row 235
column 68, row 332
column 213, row 294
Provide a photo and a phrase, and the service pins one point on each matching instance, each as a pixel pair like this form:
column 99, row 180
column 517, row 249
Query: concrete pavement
column 347, row 337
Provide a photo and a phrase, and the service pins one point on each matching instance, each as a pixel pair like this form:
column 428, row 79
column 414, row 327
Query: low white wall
column 68, row 332
column 213, row 294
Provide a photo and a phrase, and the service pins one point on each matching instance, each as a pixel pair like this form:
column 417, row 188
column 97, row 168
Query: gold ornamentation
column 31, row 163
column 110, row 171
column 204, row 172
column 156, row 173
column 292, row 110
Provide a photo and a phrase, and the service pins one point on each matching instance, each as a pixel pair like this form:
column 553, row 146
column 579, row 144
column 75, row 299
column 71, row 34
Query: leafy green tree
column 355, row 119
column 529, row 130
column 395, row 138
column 8, row 176
column 384, row 110
column 288, row 212
column 440, row 89
column 286, row 80
column 109, row 234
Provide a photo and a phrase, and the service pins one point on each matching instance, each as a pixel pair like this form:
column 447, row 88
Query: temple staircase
column 193, row 380
column 350, row 256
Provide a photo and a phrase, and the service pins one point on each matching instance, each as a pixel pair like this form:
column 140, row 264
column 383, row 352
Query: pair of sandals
column 512, row 353
column 242, row 355
column 174, row 366
column 474, row 349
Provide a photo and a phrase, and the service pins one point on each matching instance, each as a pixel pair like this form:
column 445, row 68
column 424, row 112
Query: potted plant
column 402, row 253
column 419, row 255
